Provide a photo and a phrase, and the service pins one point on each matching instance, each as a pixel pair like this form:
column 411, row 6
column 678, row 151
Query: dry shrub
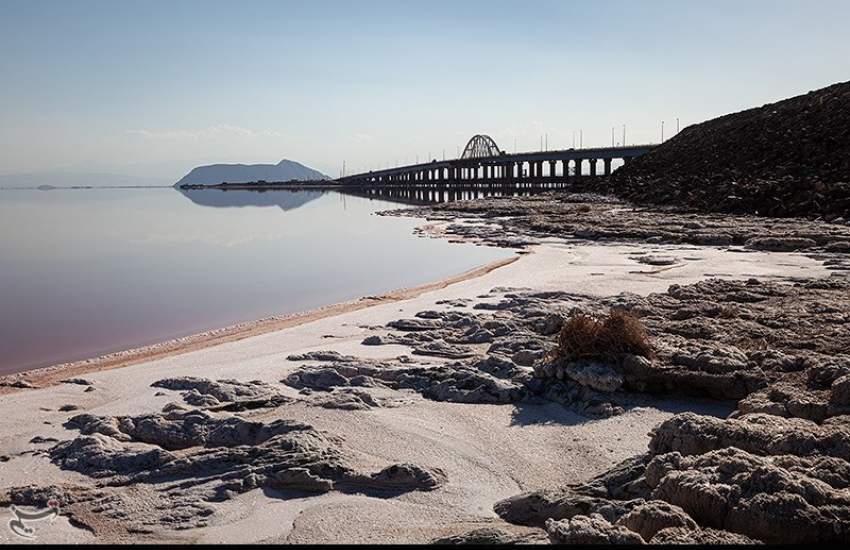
column 611, row 337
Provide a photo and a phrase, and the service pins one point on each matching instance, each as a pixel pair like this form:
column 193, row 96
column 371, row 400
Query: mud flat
column 444, row 415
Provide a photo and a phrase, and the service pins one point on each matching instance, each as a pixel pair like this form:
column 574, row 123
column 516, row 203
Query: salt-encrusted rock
column 408, row 476
column 535, row 508
column 838, row 246
column 740, row 492
column 321, row 356
column 840, row 392
column 300, row 479
column 228, row 456
column 231, row 395
column 489, row 536
column 593, row 529
column 699, row 537
column 414, row 325
column 787, row 400
column 650, row 518
column 77, row 381
column 595, row 375
column 321, row 379
column 349, row 400
column 548, row 325
column 98, row 455
column 441, row 349
column 182, row 429
column 762, row 434
column 780, row 244
column 475, row 335
column 527, row 357
column 20, row 384
column 456, row 383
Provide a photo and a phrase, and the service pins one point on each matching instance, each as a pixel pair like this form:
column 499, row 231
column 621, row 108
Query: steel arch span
column 481, row 146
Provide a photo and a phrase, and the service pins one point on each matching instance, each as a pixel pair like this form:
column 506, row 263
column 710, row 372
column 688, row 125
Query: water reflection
column 284, row 199
column 422, row 196
column 84, row 272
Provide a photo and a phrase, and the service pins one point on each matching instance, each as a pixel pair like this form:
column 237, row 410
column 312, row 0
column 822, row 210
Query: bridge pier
column 607, row 163
column 577, row 169
column 593, row 167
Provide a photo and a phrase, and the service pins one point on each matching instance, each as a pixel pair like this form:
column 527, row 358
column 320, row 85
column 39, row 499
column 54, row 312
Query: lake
column 85, row 272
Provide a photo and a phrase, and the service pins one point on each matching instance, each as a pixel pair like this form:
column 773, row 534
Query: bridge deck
column 564, row 155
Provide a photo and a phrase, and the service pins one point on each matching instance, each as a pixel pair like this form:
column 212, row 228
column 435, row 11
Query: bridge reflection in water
column 419, row 195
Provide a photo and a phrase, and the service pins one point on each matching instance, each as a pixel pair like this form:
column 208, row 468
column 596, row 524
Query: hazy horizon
column 153, row 90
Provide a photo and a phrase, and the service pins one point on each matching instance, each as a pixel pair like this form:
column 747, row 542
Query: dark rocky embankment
column 790, row 158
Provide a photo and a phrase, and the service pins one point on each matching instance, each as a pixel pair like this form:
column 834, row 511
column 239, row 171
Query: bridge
column 483, row 163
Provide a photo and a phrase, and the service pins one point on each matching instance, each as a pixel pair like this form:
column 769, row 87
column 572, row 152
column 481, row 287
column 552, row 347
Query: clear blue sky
column 152, row 88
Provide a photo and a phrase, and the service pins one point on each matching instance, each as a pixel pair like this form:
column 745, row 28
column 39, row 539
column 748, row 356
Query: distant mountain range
column 48, row 180
column 285, row 170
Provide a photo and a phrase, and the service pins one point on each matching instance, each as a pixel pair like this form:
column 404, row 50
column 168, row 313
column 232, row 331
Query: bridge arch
column 481, row 146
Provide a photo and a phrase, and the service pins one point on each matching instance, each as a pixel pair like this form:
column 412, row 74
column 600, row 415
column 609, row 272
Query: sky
column 154, row 88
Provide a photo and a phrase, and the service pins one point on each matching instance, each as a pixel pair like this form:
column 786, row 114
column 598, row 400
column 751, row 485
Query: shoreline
column 54, row 374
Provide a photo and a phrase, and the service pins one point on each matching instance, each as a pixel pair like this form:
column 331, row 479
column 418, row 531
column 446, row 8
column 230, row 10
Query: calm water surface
column 86, row 272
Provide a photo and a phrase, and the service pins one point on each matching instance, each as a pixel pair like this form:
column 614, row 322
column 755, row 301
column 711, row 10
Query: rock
column 440, row 349
column 535, row 508
column 650, row 518
column 68, row 408
column 77, row 381
column 683, row 535
column 321, row 379
column 527, row 358
column 489, row 536
column 348, row 400
column 20, row 384
column 592, row 529
column 840, row 392
column 39, row 440
column 182, row 429
column 414, row 325
column 595, row 375
column 761, row 434
column 300, row 479
column 549, row 325
column 455, row 383
column 658, row 261
column 780, row 244
column 230, row 395
column 330, row 356
column 373, row 341
column 842, row 247
column 98, row 455
column 736, row 491
column 409, row 476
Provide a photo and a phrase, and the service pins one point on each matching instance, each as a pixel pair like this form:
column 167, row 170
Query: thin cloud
column 219, row 130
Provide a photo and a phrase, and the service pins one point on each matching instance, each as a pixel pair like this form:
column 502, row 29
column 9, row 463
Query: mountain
column 48, row 180
column 285, row 170
column 790, row 158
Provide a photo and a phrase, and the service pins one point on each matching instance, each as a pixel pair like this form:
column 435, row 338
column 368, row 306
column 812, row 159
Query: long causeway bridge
column 484, row 164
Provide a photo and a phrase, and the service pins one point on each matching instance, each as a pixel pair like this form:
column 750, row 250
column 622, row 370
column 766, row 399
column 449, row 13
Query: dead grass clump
column 587, row 337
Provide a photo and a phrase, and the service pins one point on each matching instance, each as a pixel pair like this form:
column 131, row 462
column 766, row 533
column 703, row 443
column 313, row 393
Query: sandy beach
column 484, row 452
